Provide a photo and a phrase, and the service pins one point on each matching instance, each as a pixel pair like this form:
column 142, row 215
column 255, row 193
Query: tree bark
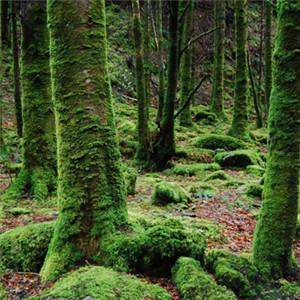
column 91, row 190
column 273, row 241
column 4, row 22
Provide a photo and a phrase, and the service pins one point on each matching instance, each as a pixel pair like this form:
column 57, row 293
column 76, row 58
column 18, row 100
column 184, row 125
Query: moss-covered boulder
column 255, row 170
column 218, row 175
column 235, row 272
column 169, row 192
column 99, row 283
column 254, row 190
column 238, row 159
column 216, row 141
column 24, row 248
column 193, row 169
column 130, row 180
column 205, row 116
column 193, row 282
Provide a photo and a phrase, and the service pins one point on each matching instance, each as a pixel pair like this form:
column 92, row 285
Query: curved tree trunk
column 219, row 51
column 239, row 126
column 39, row 166
column 91, row 190
column 278, row 218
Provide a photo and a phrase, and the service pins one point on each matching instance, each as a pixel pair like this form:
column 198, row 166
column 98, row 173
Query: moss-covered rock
column 233, row 271
column 205, row 116
column 215, row 141
column 289, row 289
column 254, row 190
column 193, row 169
column 255, row 170
column 25, row 248
column 169, row 192
column 99, row 283
column 220, row 175
column 238, row 158
column 130, row 180
column 193, row 282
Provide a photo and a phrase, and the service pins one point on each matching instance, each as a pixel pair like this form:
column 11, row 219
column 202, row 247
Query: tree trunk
column 268, row 52
column 161, row 89
column 276, row 227
column 17, row 88
column 4, row 22
column 218, row 68
column 91, row 190
column 163, row 147
column 239, row 126
column 39, row 166
column 186, row 66
column 143, row 131
column 147, row 51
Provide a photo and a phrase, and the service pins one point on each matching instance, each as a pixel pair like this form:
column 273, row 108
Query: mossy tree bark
column 161, row 88
column 239, row 126
column 91, row 189
column 276, row 228
column 217, row 97
column 163, row 147
column 4, row 22
column 185, row 118
column 17, row 87
column 143, row 130
column 268, row 52
column 147, row 9
column 39, row 167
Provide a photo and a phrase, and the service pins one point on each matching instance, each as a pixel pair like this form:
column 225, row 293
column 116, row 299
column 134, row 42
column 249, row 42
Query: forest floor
column 223, row 209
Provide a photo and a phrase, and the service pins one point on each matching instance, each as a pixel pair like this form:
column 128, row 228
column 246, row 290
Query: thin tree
column 239, row 126
column 16, row 66
column 143, row 130
column 4, row 22
column 39, row 166
column 163, row 147
column 217, row 97
column 185, row 117
column 91, row 190
column 273, row 241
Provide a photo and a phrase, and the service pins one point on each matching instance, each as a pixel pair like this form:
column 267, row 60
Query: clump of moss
column 169, row 192
column 254, row 190
column 215, row 141
column 289, row 289
column 130, row 180
column 202, row 189
column 193, row 169
column 260, row 135
column 255, row 170
column 20, row 211
column 238, row 158
column 25, row 248
column 103, row 283
column 127, row 147
column 235, row 272
column 205, row 116
column 193, row 282
column 3, row 294
column 221, row 175
column 298, row 228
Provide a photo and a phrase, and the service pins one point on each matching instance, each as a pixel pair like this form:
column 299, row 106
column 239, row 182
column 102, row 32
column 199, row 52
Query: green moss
column 169, row 192
column 25, row 248
column 221, row 175
column 298, row 228
column 193, row 282
column 103, row 283
column 20, row 211
column 193, row 169
column 260, row 135
column 233, row 271
column 202, row 189
column 203, row 115
column 255, row 170
column 3, row 293
column 290, row 289
column 238, row 158
column 130, row 180
column 254, row 190
column 215, row 141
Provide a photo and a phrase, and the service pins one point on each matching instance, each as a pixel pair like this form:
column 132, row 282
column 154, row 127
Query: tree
column 239, row 126
column 186, row 66
column 39, row 167
column 276, row 227
column 219, row 51
column 163, row 147
column 4, row 22
column 91, row 190
column 17, row 88
column 143, row 130
column 268, row 52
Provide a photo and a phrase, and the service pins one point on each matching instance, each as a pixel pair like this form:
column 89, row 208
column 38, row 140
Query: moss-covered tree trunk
column 147, row 9
column 239, row 126
column 217, row 96
column 268, row 52
column 185, row 118
column 161, row 88
column 39, row 166
column 143, row 131
column 4, row 22
column 163, row 147
column 276, row 228
column 17, row 87
column 91, row 190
